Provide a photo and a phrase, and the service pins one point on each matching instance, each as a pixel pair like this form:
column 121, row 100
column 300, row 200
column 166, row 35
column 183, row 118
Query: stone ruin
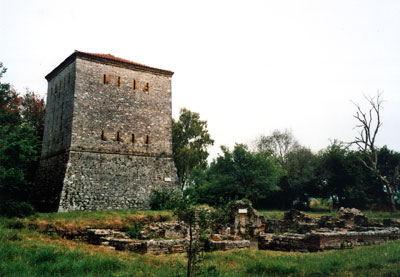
column 299, row 232
column 248, row 228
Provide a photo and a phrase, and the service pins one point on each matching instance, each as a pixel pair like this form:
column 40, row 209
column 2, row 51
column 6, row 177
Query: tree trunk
column 391, row 197
column 190, row 254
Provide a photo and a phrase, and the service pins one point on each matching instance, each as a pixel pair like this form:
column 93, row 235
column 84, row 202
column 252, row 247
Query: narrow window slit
column 147, row 140
column 118, row 138
column 146, row 87
column 102, row 135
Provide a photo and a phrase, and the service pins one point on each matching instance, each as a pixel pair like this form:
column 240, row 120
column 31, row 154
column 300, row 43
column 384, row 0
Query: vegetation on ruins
column 26, row 249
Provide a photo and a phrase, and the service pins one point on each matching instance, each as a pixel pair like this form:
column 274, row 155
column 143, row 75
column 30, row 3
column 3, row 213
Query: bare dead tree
column 368, row 127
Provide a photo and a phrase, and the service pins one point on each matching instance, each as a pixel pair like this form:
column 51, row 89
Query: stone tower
column 107, row 139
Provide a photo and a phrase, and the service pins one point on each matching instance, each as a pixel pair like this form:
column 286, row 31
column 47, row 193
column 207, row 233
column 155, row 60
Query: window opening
column 118, row 81
column 104, row 79
column 146, row 87
column 118, row 138
column 147, row 140
column 133, row 139
column 102, row 135
column 134, row 85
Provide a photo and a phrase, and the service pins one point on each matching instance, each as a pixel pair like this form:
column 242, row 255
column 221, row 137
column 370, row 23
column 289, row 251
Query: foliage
column 239, row 174
column 33, row 110
column 196, row 218
column 19, row 149
column 164, row 199
column 299, row 181
column 190, row 139
column 280, row 144
column 346, row 181
column 9, row 103
column 134, row 231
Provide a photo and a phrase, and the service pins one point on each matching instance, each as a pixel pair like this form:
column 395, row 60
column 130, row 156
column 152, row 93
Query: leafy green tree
column 343, row 177
column 198, row 221
column 33, row 110
column 190, row 139
column 19, row 150
column 240, row 174
column 301, row 172
column 9, row 103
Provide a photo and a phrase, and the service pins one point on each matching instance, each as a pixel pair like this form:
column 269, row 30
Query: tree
column 190, row 139
column 198, row 221
column 240, row 174
column 343, row 178
column 369, row 124
column 19, row 150
column 279, row 143
column 9, row 103
column 33, row 112
column 301, row 175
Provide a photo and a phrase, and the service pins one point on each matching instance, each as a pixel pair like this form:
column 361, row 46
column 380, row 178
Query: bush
column 134, row 231
column 164, row 199
column 16, row 209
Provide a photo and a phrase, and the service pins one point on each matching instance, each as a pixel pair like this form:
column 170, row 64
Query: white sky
column 248, row 67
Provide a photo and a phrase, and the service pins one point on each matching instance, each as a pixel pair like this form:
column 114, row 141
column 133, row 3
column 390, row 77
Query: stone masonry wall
column 113, row 108
column 59, row 111
column 49, row 181
column 98, row 181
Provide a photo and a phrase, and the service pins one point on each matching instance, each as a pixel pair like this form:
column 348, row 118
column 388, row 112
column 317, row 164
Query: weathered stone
column 318, row 241
column 247, row 220
column 166, row 230
column 225, row 245
column 296, row 216
column 353, row 217
column 107, row 139
column 391, row 222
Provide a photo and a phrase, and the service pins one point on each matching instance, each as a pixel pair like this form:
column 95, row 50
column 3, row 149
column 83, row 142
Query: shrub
column 164, row 199
column 134, row 231
column 12, row 208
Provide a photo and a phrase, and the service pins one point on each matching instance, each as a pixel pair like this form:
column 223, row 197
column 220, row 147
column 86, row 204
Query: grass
column 25, row 251
column 278, row 214
column 78, row 221
column 372, row 215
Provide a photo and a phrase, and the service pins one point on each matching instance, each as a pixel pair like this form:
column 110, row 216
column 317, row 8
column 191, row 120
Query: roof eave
column 103, row 60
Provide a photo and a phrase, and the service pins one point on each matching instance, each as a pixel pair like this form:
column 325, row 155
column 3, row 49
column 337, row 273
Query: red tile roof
column 106, row 58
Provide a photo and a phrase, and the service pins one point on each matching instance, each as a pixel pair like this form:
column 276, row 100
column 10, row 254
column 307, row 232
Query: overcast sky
column 248, row 67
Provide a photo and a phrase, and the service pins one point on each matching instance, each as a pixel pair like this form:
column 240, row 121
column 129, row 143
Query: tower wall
column 108, row 139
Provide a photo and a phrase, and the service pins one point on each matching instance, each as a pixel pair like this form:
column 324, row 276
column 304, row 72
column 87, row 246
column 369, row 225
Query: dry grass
column 77, row 224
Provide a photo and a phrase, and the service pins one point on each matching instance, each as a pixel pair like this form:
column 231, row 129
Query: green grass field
column 26, row 251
